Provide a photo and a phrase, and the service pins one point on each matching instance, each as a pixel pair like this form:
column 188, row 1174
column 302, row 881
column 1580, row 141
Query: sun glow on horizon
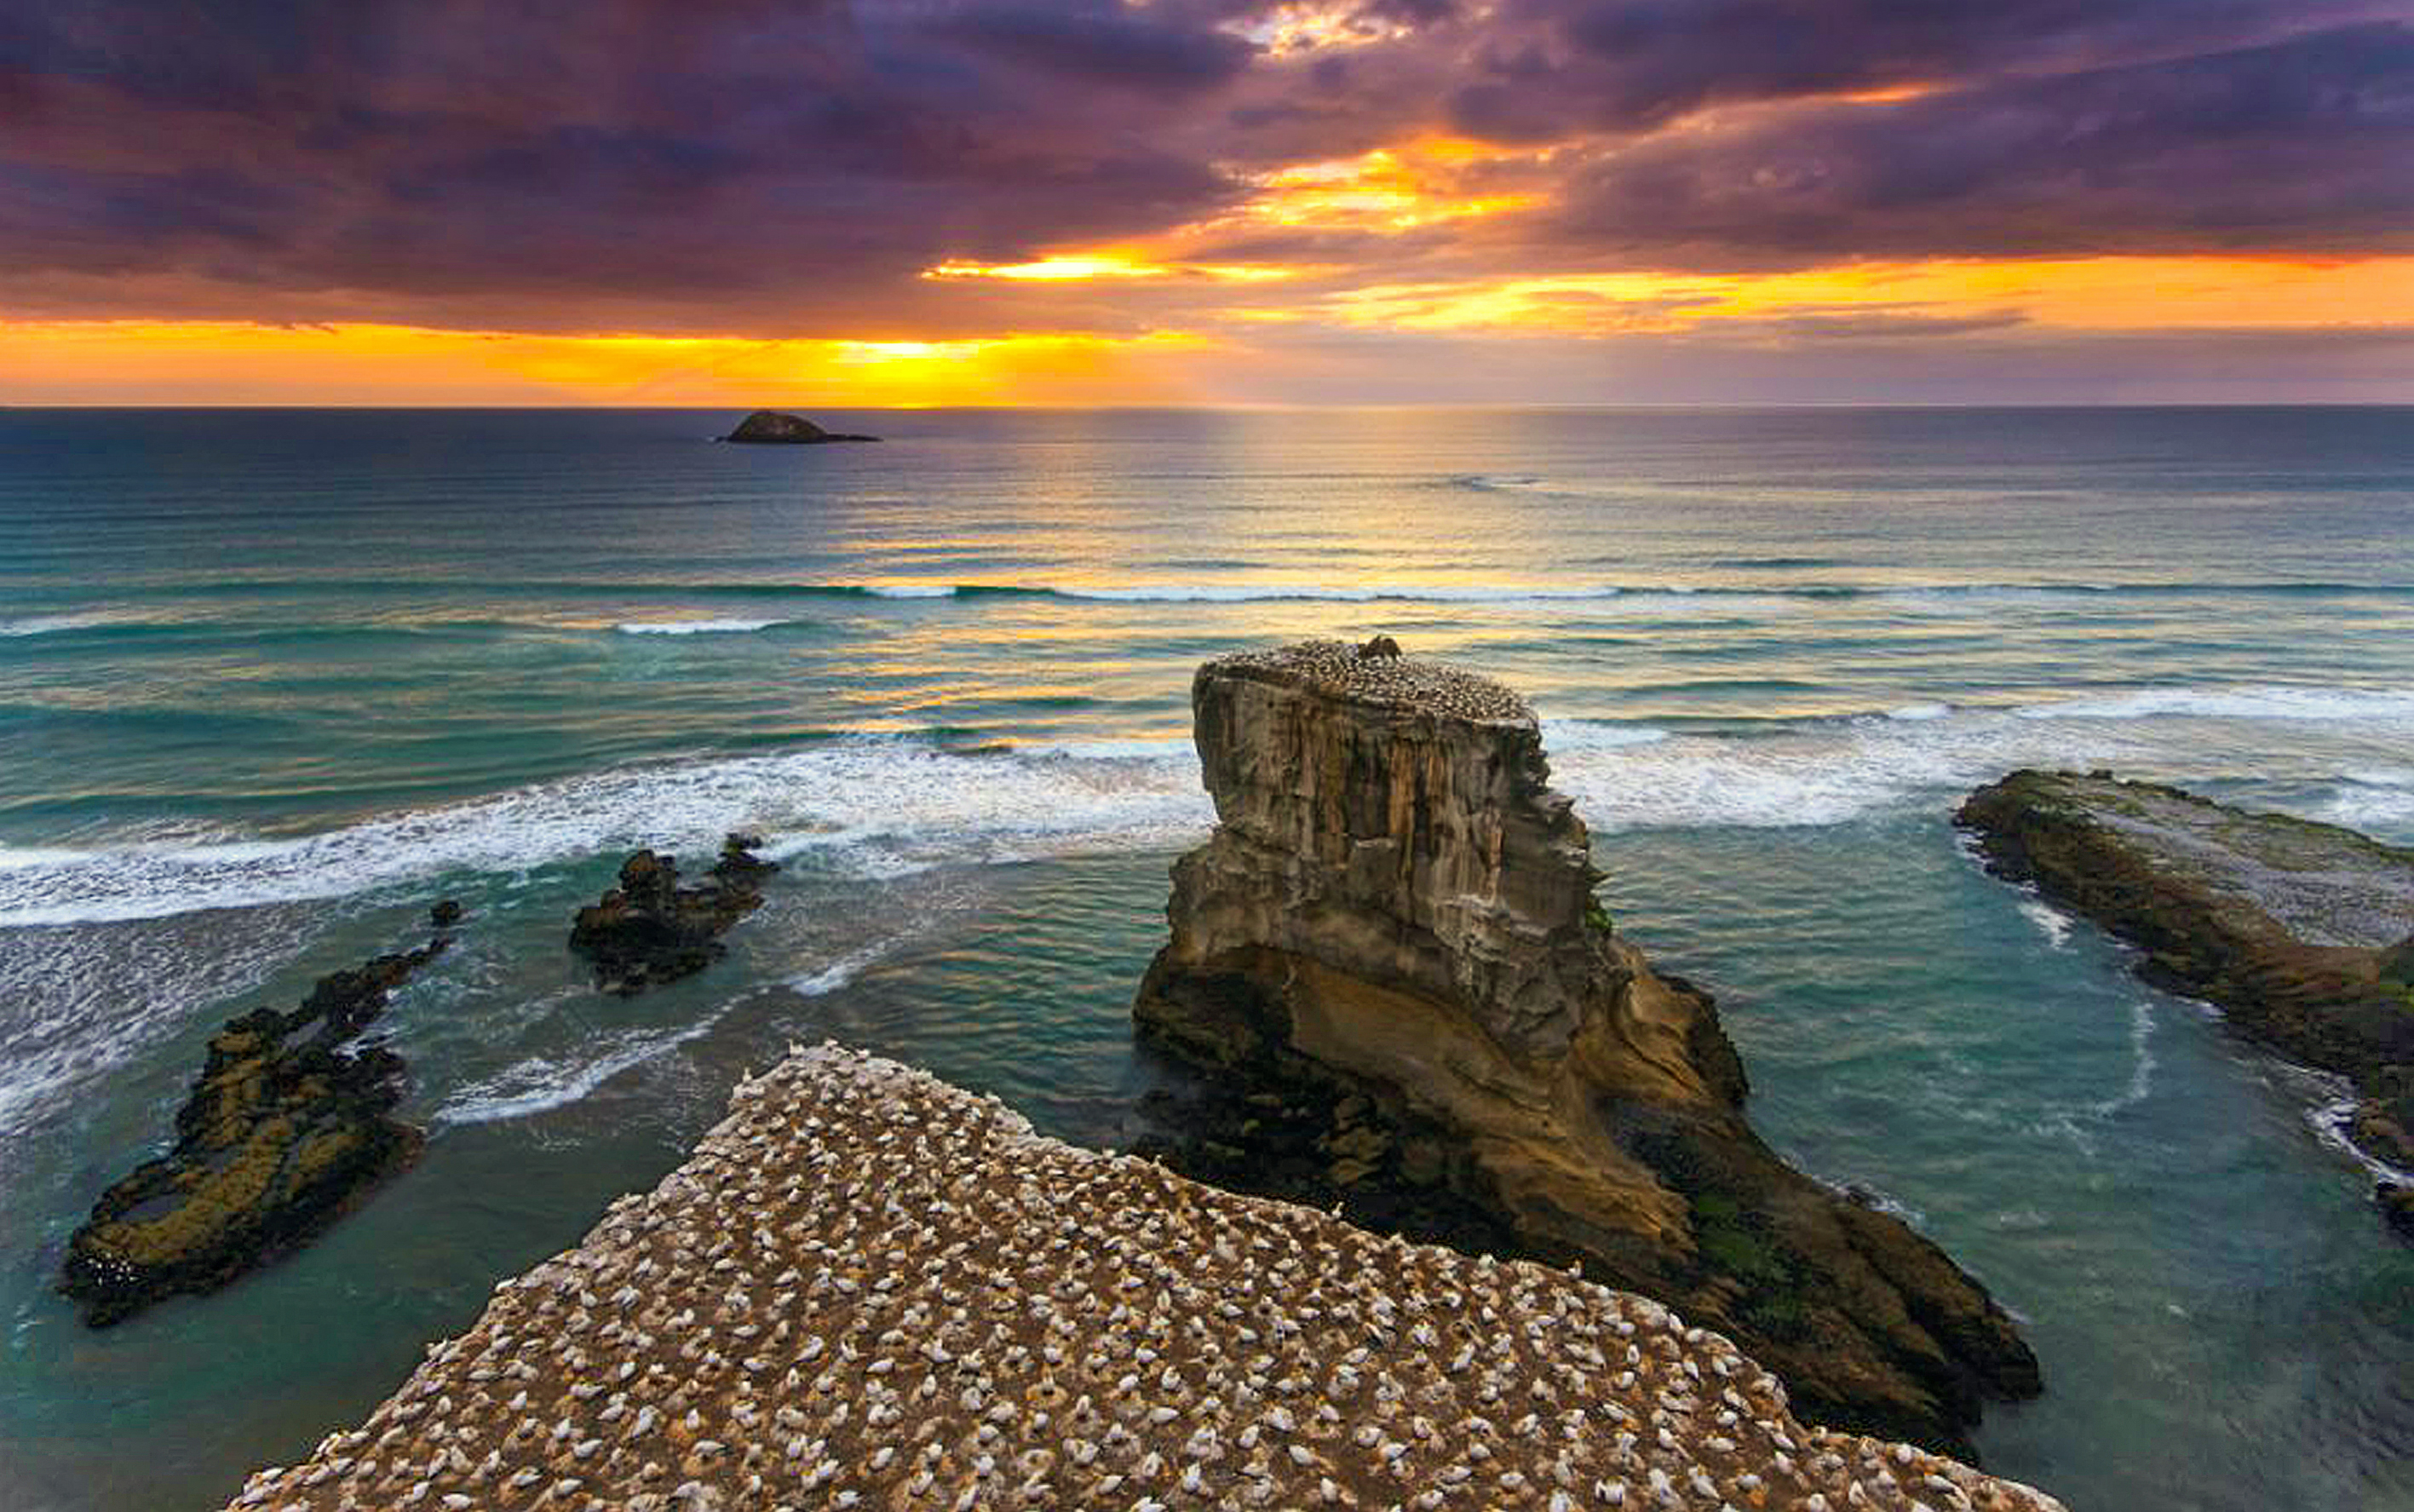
column 194, row 362
column 1212, row 356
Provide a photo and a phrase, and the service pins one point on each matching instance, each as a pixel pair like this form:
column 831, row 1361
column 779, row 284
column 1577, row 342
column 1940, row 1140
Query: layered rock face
column 2302, row 933
column 1396, row 910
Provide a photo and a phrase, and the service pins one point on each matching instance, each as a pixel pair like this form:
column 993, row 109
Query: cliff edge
column 1396, row 910
column 869, row 1289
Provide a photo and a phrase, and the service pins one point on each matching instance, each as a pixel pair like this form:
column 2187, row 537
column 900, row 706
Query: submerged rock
column 2301, row 933
column 1393, row 929
column 279, row 1138
column 772, row 425
column 650, row 930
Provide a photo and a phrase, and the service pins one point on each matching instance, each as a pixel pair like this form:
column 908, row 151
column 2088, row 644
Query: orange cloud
column 117, row 361
column 1415, row 184
column 1081, row 267
column 2110, row 293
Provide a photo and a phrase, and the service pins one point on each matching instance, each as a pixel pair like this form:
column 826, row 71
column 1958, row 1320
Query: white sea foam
column 2379, row 800
column 541, row 1083
column 2270, row 702
column 1158, row 748
column 838, row 973
column 912, row 590
column 2380, row 776
column 888, row 807
column 2141, row 1061
column 2051, row 921
column 2331, row 1121
column 885, row 807
column 882, row 807
column 1914, row 713
column 694, row 627
column 43, row 624
column 80, row 1002
column 1833, row 773
column 1340, row 593
column 1568, row 735
column 14, row 857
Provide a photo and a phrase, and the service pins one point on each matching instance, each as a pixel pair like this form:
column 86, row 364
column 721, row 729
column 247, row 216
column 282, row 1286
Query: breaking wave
column 694, row 627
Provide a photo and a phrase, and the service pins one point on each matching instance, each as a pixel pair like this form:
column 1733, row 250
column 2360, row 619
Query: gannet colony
column 869, row 1289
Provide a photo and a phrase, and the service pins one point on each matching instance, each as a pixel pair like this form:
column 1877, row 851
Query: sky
column 812, row 203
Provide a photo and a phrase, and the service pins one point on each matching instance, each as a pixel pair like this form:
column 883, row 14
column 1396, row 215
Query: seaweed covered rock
column 2301, row 933
column 1390, row 960
column 282, row 1134
column 650, row 930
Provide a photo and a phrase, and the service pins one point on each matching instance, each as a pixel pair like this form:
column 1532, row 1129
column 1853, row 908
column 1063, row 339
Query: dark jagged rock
column 2395, row 1200
column 650, row 930
column 281, row 1137
column 770, row 425
column 2301, row 933
column 1391, row 962
column 445, row 915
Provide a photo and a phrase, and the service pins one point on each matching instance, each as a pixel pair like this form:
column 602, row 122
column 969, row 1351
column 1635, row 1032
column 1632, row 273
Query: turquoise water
column 271, row 682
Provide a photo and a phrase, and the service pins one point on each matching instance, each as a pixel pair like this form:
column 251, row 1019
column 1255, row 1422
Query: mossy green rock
column 282, row 1133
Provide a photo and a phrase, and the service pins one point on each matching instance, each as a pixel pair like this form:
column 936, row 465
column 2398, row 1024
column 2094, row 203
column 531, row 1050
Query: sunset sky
column 1081, row 202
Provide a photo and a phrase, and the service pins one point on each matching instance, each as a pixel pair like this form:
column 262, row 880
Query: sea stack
column 2301, row 933
column 774, row 428
column 1395, row 916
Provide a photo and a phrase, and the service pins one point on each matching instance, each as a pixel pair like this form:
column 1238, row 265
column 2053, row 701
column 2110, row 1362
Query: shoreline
column 867, row 1287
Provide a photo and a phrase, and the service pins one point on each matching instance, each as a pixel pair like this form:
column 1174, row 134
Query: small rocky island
column 647, row 929
column 2303, row 933
column 281, row 1135
column 773, row 428
column 1394, row 925
column 869, row 1289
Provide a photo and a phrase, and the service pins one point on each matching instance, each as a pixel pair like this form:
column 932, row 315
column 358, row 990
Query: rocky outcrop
column 1394, row 921
column 2301, row 933
column 650, row 930
column 773, row 428
column 281, row 1137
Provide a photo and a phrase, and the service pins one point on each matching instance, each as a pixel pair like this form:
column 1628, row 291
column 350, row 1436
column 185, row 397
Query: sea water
column 273, row 682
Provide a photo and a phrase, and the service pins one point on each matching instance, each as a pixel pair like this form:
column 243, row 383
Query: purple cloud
column 781, row 168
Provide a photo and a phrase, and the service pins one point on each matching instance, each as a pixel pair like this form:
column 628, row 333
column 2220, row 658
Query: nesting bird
column 870, row 1289
column 1377, row 673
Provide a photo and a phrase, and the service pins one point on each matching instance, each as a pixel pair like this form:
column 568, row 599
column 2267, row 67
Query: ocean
column 272, row 681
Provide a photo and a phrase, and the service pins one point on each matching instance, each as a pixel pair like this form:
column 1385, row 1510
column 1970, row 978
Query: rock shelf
column 869, row 1289
column 2303, row 933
